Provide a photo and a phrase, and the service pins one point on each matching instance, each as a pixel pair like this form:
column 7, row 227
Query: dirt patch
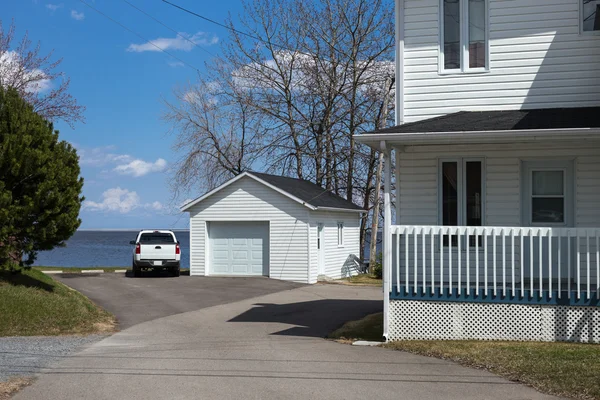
column 106, row 327
column 12, row 386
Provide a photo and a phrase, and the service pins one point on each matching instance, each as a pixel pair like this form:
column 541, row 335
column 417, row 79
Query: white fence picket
column 576, row 262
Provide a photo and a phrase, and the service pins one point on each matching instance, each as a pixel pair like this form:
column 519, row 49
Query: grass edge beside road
column 77, row 270
column 358, row 280
column 13, row 385
column 34, row 304
column 369, row 328
column 557, row 368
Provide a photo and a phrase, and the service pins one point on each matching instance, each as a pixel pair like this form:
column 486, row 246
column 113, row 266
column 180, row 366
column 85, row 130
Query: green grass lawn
column 33, row 303
column 368, row 328
column 362, row 279
column 563, row 369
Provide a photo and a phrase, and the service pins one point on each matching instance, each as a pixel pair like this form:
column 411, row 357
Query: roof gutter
column 478, row 137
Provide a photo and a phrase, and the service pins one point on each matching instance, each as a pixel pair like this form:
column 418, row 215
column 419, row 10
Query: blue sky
column 124, row 145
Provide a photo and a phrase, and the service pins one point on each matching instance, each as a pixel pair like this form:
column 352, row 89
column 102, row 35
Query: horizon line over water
column 102, row 248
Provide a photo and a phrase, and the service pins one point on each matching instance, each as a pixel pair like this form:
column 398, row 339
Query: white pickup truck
column 156, row 250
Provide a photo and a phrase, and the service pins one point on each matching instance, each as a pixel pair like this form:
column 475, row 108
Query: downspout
column 387, row 236
column 399, row 71
column 309, row 274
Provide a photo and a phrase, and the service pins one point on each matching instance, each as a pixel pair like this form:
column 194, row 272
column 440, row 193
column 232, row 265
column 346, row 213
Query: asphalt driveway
column 137, row 300
column 269, row 347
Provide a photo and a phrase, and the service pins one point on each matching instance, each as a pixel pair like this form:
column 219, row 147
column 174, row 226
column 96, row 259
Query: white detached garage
column 267, row 225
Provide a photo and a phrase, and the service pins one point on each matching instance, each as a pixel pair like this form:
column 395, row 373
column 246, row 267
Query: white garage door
column 239, row 248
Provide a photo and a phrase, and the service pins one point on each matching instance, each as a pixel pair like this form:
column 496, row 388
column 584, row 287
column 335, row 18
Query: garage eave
column 191, row 204
column 357, row 210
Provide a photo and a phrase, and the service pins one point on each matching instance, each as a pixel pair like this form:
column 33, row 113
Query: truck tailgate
column 157, row 251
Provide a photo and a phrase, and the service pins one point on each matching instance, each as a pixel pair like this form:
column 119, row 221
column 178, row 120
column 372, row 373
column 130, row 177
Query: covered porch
column 496, row 228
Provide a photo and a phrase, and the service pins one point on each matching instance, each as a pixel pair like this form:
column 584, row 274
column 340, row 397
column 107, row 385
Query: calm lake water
column 112, row 249
column 103, row 249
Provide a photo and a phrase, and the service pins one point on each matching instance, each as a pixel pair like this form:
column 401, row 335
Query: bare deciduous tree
column 218, row 135
column 312, row 75
column 35, row 77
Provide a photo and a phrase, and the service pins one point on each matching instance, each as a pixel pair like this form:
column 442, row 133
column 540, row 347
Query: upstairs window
column 590, row 15
column 464, row 36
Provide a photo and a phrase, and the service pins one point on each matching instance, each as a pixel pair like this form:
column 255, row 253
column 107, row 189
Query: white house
column 258, row 224
column 496, row 157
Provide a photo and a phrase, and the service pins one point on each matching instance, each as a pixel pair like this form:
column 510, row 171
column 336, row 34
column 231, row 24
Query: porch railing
column 499, row 262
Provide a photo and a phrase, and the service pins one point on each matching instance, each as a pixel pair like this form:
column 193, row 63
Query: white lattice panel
column 571, row 324
column 426, row 320
column 494, row 321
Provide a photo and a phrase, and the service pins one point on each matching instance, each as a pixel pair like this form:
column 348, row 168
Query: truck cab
column 156, row 249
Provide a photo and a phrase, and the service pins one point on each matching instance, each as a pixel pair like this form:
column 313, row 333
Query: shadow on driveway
column 137, row 300
column 315, row 318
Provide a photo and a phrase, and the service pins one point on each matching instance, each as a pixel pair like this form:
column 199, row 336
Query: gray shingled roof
column 307, row 191
column 477, row 121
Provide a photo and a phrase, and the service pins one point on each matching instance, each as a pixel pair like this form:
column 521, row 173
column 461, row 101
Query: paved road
column 137, row 300
column 268, row 347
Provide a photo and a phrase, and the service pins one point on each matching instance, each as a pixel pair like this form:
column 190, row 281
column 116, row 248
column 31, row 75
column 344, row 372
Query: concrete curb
column 366, row 343
column 92, row 271
column 51, row 272
column 120, row 271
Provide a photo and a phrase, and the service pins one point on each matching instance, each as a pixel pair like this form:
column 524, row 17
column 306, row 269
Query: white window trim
column 461, row 162
column 340, row 234
column 564, row 196
column 581, row 31
column 464, row 38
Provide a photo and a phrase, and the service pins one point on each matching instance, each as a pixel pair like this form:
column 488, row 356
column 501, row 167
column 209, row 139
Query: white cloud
column 261, row 75
column 100, row 156
column 176, row 64
column 157, row 205
column 115, row 199
column 139, row 168
column 79, row 16
column 10, row 71
column 123, row 164
column 176, row 43
column 122, row 201
column 54, row 7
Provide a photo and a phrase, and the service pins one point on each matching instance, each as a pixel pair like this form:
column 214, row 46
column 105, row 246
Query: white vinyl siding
column 248, row 200
column 418, row 178
column 538, row 59
column 336, row 257
column 418, row 188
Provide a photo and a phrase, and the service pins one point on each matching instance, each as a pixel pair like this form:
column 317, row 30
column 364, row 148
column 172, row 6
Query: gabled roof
column 304, row 192
column 513, row 120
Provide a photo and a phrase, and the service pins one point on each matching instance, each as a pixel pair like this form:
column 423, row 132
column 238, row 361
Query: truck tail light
column 138, row 248
column 177, row 249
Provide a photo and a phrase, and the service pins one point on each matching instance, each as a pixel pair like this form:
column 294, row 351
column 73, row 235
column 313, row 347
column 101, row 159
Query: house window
column 464, row 36
column 548, row 197
column 590, row 15
column 461, row 194
column 340, row 231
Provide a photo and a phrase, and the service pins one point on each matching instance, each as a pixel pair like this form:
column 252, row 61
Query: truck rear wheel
column 137, row 272
column 176, row 271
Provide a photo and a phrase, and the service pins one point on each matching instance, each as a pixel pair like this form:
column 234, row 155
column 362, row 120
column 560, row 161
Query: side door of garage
column 239, row 248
